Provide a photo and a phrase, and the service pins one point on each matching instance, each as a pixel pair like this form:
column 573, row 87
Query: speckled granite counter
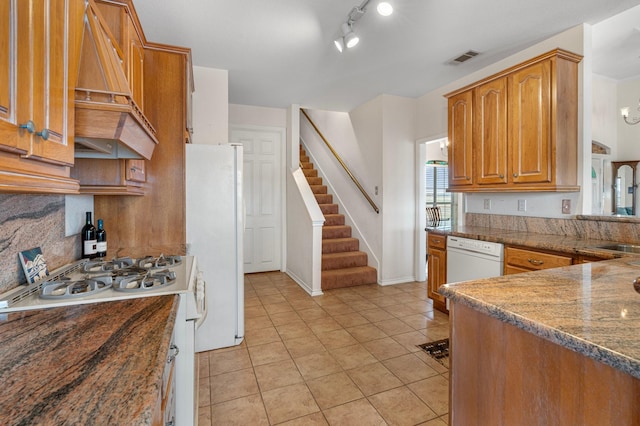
column 88, row 364
column 559, row 243
column 590, row 308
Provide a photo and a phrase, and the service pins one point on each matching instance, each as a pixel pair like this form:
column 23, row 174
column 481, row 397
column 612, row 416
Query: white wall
column 605, row 113
column 210, row 106
column 432, row 122
column 257, row 116
column 304, row 234
column 628, row 136
column 399, row 177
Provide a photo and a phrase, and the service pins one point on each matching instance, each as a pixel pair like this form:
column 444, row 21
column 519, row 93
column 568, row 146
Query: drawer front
column 437, row 241
column 533, row 260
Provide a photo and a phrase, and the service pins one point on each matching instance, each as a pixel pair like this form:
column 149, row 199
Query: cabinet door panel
column 135, row 66
column 490, row 121
column 530, row 119
column 15, row 86
column 7, row 67
column 437, row 265
column 460, row 139
column 51, row 79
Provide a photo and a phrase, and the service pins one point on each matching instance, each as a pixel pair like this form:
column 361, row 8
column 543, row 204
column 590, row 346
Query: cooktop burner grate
column 36, row 288
column 146, row 282
column 68, row 289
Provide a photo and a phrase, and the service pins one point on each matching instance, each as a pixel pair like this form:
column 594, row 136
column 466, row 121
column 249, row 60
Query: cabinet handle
column 535, row 262
column 137, row 169
column 173, row 356
column 468, row 178
column 44, row 134
column 515, row 175
column 29, row 126
column 501, row 176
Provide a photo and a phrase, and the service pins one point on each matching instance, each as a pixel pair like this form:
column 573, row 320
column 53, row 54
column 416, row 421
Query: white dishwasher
column 473, row 259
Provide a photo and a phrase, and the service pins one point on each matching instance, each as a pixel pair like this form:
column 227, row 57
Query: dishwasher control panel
column 484, row 247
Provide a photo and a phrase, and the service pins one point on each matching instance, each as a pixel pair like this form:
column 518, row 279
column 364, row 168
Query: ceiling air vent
column 464, row 57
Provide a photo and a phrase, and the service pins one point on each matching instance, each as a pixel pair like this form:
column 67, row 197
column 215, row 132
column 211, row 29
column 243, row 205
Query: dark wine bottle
column 101, row 239
column 89, row 242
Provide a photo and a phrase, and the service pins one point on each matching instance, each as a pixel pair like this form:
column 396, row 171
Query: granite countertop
column 98, row 363
column 590, row 308
column 558, row 243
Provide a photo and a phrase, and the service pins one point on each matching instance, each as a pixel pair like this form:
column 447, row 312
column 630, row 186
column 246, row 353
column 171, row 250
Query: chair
column 433, row 216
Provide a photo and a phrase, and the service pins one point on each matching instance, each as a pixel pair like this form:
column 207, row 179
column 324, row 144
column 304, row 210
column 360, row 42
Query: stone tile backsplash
column 28, row 221
column 622, row 230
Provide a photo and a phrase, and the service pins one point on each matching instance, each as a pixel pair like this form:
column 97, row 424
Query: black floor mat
column 438, row 350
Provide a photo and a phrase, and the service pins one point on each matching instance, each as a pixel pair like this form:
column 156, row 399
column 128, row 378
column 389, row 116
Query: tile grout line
column 344, row 300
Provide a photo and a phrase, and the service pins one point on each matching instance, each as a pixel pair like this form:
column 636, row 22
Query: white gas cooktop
column 85, row 275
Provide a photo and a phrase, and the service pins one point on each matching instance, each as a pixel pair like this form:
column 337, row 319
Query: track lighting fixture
column 348, row 38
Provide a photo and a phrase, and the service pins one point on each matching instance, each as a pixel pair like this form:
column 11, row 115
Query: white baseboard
column 304, row 285
column 404, row 280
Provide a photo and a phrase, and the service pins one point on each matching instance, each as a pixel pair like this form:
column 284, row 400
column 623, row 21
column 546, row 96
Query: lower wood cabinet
column 517, row 260
column 507, row 376
column 587, row 259
column 437, row 269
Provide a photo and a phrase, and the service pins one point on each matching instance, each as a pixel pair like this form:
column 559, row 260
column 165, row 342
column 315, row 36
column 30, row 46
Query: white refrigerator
column 214, row 236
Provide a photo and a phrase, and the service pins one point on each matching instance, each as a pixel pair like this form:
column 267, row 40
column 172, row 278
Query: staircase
column 343, row 265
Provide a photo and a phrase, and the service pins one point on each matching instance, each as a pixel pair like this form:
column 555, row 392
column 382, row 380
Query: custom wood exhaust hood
column 108, row 122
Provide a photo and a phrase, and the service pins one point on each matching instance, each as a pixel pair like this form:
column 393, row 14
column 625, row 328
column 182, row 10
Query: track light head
column 350, row 40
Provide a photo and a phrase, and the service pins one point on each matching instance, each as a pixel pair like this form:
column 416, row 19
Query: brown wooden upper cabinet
column 38, row 67
column 518, row 129
column 460, row 139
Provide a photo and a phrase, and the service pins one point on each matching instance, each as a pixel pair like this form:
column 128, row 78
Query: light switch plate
column 566, row 206
column 487, row 204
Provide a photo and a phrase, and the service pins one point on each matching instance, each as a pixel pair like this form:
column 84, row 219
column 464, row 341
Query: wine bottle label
column 90, row 247
column 101, row 247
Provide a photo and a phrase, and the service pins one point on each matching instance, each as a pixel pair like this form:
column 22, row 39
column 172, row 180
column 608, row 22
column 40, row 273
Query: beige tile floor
column 348, row 357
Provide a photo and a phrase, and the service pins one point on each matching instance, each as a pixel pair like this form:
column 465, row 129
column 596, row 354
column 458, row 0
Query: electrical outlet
column 522, row 205
column 487, row 204
column 566, row 206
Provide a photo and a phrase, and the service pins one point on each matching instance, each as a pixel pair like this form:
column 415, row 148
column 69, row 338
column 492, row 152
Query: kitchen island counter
column 99, row 363
column 567, row 337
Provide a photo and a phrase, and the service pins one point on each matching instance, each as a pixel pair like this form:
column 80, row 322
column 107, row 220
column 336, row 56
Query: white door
column 262, row 192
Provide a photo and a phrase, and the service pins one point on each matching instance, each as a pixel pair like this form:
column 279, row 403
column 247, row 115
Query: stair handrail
column 342, row 163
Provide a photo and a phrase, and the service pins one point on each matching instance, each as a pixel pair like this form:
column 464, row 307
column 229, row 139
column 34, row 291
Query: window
column 437, row 176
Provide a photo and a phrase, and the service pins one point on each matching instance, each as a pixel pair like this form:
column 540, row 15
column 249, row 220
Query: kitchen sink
column 628, row 248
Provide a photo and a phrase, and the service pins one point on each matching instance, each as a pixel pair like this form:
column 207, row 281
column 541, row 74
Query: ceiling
column 281, row 52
